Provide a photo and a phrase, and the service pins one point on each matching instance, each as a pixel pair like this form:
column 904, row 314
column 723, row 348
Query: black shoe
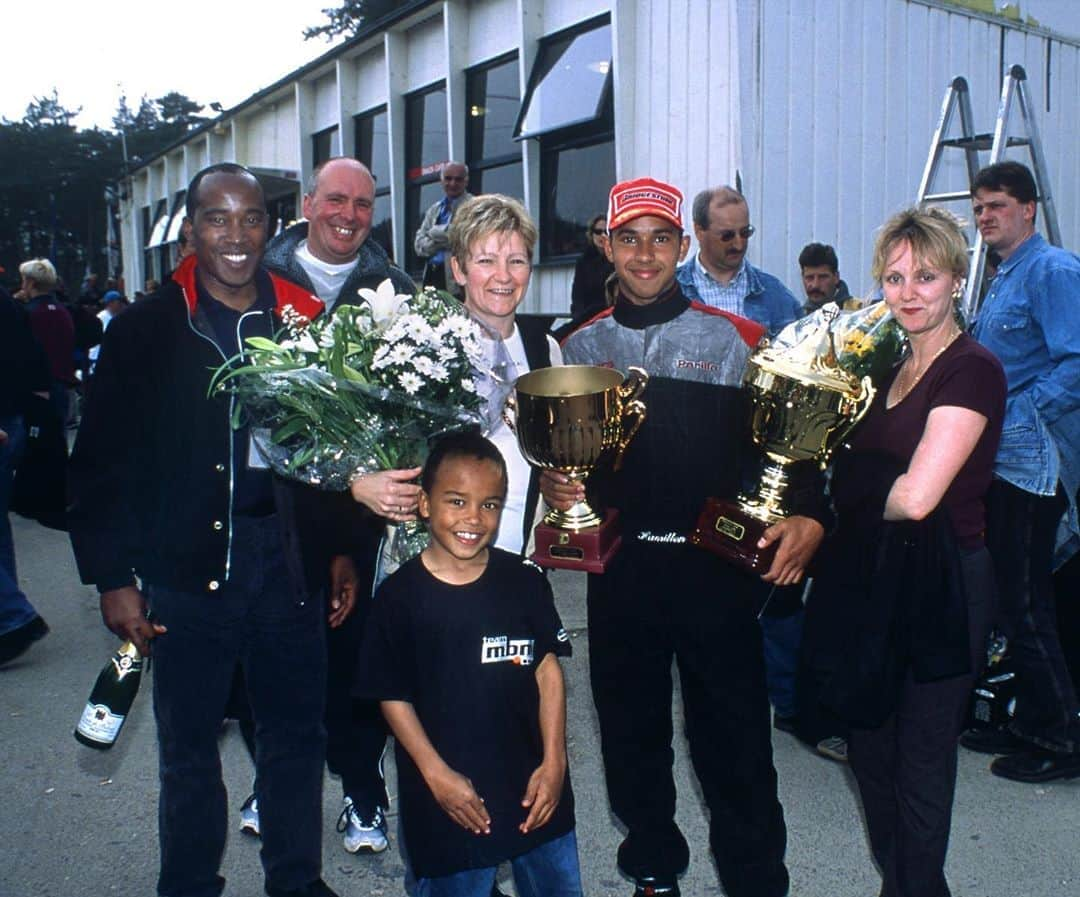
column 993, row 741
column 14, row 643
column 785, row 723
column 317, row 888
column 655, row 887
column 1037, row 765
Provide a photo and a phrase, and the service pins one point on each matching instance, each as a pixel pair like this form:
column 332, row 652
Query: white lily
column 385, row 304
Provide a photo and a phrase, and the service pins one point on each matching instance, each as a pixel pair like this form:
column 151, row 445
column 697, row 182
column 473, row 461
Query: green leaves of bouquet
column 362, row 389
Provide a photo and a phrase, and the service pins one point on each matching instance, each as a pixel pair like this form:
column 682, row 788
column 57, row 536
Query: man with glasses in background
column 719, row 274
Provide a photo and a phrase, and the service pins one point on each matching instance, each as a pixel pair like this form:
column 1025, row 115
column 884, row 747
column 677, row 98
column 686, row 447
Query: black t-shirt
column 966, row 376
column 465, row 657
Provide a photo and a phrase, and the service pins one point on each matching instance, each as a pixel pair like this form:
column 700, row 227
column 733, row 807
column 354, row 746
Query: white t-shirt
column 327, row 279
column 517, row 468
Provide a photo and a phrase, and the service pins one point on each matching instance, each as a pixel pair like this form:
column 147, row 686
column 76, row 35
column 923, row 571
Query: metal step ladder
column 957, row 98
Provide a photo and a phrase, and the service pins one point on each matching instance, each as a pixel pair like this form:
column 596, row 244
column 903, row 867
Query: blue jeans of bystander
column 15, row 610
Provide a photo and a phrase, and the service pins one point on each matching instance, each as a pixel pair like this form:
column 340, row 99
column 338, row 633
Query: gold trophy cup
column 574, row 418
column 802, row 409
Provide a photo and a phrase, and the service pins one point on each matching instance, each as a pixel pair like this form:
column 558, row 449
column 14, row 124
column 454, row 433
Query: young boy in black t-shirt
column 461, row 651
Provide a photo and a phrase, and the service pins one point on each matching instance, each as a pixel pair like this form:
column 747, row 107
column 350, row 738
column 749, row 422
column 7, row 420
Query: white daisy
column 410, row 382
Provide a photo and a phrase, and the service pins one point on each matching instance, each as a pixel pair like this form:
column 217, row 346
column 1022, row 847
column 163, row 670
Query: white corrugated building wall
column 822, row 110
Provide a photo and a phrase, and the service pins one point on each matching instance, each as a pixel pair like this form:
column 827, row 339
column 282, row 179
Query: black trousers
column 1021, row 528
column 355, row 730
column 659, row 603
column 253, row 621
column 906, row 768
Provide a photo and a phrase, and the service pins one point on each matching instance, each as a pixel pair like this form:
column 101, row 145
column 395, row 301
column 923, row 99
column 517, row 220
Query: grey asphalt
column 77, row 822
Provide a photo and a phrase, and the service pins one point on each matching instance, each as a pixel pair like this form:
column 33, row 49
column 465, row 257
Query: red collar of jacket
column 286, row 294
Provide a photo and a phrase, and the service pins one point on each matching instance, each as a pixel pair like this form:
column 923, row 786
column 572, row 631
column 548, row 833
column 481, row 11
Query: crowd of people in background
column 947, row 515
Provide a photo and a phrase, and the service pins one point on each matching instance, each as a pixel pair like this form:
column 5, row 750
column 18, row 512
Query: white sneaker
column 834, row 747
column 368, row 835
column 249, row 817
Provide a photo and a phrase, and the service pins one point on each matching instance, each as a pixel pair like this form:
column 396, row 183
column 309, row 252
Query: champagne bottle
column 110, row 700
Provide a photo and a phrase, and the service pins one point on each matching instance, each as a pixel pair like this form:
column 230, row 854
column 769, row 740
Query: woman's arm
column 544, row 790
column 948, row 440
column 453, row 791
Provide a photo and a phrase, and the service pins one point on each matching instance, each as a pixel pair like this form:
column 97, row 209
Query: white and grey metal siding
column 823, row 108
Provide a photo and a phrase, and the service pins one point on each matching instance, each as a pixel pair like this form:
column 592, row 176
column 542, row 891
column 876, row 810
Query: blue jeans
column 781, row 637
column 255, row 621
column 15, row 610
column 550, row 870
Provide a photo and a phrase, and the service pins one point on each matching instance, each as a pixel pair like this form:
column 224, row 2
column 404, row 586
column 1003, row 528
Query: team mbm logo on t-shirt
column 501, row 648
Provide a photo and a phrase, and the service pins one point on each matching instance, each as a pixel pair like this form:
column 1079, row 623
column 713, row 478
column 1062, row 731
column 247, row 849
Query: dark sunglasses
column 726, row 236
column 598, row 232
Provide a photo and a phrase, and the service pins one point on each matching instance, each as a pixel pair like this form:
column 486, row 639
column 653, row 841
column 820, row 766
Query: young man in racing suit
column 663, row 598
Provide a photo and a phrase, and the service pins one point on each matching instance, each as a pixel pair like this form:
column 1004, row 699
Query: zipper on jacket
column 232, row 452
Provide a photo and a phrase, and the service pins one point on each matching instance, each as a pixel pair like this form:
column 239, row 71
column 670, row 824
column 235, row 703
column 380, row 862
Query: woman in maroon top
column 938, row 417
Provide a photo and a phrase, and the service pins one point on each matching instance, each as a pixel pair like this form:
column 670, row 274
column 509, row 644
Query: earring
column 958, row 290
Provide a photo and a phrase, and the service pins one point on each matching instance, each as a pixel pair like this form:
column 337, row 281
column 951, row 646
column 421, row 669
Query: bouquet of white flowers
column 365, row 389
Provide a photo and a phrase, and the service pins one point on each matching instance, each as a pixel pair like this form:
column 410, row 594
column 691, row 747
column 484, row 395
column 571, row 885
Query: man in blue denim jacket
column 719, row 274
column 1030, row 319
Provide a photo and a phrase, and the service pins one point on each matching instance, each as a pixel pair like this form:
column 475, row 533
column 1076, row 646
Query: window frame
column 429, row 173
column 597, row 131
column 382, row 191
column 325, row 134
column 536, row 79
column 479, row 165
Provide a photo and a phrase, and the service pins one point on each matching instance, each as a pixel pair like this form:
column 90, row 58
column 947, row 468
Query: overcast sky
column 210, row 50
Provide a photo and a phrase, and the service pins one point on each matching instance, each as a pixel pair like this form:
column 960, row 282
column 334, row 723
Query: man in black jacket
column 164, row 489
column 331, row 255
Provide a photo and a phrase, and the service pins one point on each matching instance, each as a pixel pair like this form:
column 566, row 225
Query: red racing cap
column 644, row 196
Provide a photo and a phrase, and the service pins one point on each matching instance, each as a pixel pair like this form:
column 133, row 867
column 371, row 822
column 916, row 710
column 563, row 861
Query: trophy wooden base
column 725, row 529
column 588, row 550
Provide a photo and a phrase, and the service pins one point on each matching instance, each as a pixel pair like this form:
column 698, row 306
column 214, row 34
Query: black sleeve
column 579, row 298
column 808, row 493
column 112, row 454
column 24, row 367
column 332, row 523
column 549, row 634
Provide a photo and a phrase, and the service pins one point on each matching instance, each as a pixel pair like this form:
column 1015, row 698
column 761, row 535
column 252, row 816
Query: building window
column 569, row 109
column 325, row 145
column 172, row 234
column 373, row 149
column 176, row 223
column 427, row 147
column 493, row 100
column 145, row 225
column 576, row 176
column 281, row 212
column 156, row 254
